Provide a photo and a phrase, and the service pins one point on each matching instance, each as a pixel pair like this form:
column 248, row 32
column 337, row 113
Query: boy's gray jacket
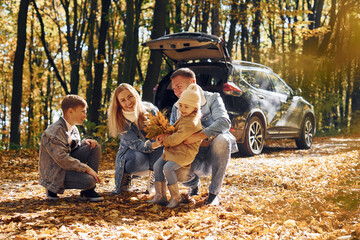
column 55, row 157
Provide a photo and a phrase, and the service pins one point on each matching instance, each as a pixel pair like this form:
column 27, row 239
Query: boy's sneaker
column 91, row 195
column 51, row 196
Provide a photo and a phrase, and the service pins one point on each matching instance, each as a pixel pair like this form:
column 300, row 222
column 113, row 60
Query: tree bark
column 205, row 16
column 31, row 101
column 178, row 25
column 99, row 64
column 244, row 31
column 91, row 53
column 129, row 39
column 154, row 64
column 310, row 45
column 233, row 22
column 326, row 40
column 18, row 74
column 215, row 18
column 255, row 39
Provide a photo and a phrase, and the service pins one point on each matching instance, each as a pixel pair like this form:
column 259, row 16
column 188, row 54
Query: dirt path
column 284, row 193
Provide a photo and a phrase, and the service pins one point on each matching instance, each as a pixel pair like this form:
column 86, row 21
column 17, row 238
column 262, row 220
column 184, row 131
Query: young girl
column 177, row 154
column 126, row 118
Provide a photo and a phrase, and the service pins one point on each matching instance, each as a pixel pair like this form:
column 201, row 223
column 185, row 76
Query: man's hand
column 195, row 138
column 90, row 171
column 91, row 142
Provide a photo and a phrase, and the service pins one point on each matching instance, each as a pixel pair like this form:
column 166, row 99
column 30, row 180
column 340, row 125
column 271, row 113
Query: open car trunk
column 183, row 47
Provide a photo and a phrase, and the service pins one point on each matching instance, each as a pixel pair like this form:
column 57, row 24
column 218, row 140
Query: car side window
column 279, row 85
column 257, row 79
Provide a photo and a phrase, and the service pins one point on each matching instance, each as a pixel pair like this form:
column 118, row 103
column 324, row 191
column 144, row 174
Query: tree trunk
column 233, row 21
column 111, row 46
column 178, row 25
column 215, row 18
column 326, row 40
column 31, row 101
column 205, row 16
column 244, row 31
column 99, row 64
column 91, row 53
column 47, row 100
column 255, row 39
column 129, row 36
column 310, row 45
column 18, row 74
column 154, row 64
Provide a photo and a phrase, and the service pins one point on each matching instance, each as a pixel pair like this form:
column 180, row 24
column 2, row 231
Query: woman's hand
column 158, row 142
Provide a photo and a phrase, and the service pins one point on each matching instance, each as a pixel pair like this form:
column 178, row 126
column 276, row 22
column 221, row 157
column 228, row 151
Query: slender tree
column 154, row 64
column 18, row 73
column 99, row 64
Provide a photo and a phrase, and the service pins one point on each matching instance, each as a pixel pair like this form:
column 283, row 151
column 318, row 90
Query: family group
column 200, row 145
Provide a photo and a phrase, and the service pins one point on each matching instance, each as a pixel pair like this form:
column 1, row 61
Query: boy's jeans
column 82, row 180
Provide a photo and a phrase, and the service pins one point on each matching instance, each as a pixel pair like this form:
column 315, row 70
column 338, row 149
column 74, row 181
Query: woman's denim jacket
column 131, row 138
column 215, row 119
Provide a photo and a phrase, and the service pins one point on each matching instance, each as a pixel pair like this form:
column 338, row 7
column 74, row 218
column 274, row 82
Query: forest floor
column 284, row 193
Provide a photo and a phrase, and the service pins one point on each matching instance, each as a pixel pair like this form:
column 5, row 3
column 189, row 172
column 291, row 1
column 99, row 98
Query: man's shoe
column 91, row 195
column 213, row 200
column 193, row 191
column 51, row 195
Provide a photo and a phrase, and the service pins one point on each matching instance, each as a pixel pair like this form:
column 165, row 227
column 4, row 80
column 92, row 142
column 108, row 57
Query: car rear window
column 210, row 78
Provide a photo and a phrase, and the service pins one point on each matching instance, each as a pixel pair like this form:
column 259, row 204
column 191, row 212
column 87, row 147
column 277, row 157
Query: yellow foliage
column 156, row 125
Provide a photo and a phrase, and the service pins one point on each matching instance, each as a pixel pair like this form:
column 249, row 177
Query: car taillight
column 230, row 88
column 232, row 130
column 156, row 87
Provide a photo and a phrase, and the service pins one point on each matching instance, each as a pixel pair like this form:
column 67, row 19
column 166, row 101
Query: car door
column 289, row 115
column 268, row 100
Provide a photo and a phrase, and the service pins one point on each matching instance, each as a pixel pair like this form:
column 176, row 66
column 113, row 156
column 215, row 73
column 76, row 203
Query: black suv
column 260, row 104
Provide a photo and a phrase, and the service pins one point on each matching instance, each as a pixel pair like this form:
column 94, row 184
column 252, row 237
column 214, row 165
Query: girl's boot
column 160, row 194
column 175, row 196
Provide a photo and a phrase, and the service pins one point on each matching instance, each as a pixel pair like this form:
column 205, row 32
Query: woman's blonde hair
column 116, row 120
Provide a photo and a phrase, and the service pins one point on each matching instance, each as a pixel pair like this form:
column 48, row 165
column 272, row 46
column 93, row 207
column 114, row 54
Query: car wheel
column 306, row 135
column 254, row 137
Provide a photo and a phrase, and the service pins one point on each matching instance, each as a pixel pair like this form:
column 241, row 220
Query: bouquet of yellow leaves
column 156, row 125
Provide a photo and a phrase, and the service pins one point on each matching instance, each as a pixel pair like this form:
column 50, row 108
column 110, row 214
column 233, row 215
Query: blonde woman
column 126, row 119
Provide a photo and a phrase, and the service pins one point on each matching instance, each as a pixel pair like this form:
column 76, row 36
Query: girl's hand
column 160, row 138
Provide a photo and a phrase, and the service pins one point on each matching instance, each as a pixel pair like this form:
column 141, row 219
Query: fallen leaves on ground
column 284, row 193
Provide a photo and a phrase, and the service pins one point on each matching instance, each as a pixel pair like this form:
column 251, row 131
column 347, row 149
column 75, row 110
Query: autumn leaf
column 156, row 125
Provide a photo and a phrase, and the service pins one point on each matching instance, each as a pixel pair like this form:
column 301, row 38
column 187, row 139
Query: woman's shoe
column 126, row 182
